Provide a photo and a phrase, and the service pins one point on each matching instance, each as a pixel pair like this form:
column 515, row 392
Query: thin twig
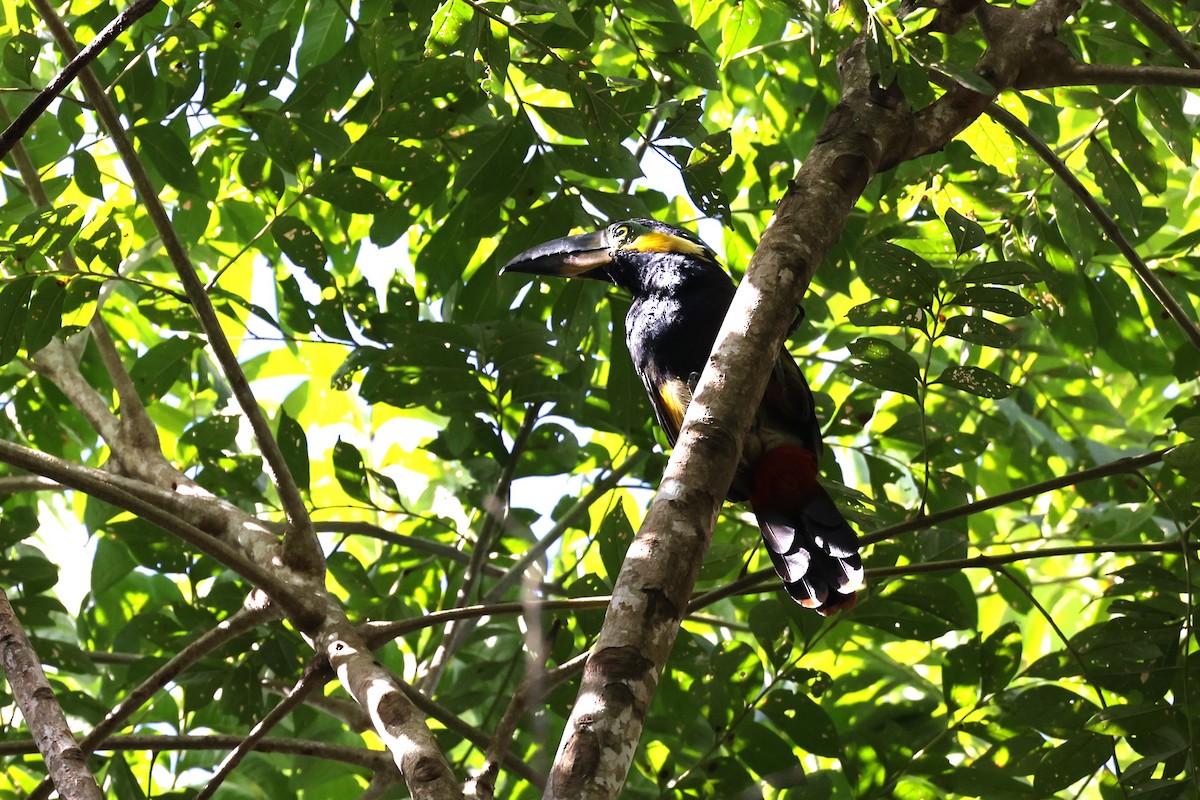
column 496, row 510
column 763, row 579
column 1118, row 467
column 316, row 674
column 483, row 785
column 600, row 488
column 356, row 755
column 472, row 734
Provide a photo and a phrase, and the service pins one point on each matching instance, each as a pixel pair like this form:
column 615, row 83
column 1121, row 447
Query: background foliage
column 348, row 178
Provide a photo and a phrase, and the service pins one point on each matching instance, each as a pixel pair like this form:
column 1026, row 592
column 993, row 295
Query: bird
column 680, row 294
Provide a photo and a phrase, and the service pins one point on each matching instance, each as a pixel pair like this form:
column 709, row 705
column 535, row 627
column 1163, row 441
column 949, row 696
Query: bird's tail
column 813, row 548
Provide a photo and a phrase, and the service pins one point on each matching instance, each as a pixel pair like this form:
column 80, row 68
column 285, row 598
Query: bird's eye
column 620, row 233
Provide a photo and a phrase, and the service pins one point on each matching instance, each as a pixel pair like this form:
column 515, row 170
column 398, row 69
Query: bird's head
column 629, row 254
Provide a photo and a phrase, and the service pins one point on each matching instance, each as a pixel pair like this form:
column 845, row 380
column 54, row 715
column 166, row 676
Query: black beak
column 581, row 256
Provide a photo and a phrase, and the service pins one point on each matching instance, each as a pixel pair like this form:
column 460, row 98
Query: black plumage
column 680, row 297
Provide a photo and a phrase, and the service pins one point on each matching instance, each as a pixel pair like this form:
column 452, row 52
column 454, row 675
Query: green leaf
column 1160, row 105
column 349, row 192
column 1184, row 459
column 299, row 243
column 1074, row 759
column 1136, row 152
column 807, row 724
column 966, row 233
column 1000, row 657
column 702, row 173
column 293, row 444
column 978, row 329
column 45, row 312
column 1134, row 719
column 976, row 381
column 1124, row 199
column 87, row 174
column 884, row 366
column 887, row 311
column 1048, row 708
column 961, row 676
column 14, row 306
column 893, row 271
column 1073, row 221
column 1120, row 326
column 170, row 156
column 454, row 28
column 162, row 365
column 920, row 609
column 740, row 25
column 324, row 34
column 351, row 471
column 21, row 53
column 112, row 563
column 991, row 298
column 1006, row 273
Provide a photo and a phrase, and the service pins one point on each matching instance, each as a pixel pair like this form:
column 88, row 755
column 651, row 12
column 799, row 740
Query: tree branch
column 103, row 486
column 358, row 756
column 495, row 518
column 43, row 715
column 1076, row 73
column 18, row 484
column 1115, row 235
column 134, row 421
column 534, row 687
column 24, row 121
column 1119, row 467
column 477, row 737
column 1017, row 41
column 227, row 630
column 302, row 550
column 1165, row 31
column 316, row 674
column 600, row 488
column 660, row 569
column 400, row 726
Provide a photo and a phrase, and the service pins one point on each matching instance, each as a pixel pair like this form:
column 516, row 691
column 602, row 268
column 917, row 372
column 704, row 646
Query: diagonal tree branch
column 652, row 590
column 24, row 121
column 302, row 550
column 316, row 674
column 389, row 703
column 1166, row 32
column 1076, row 73
column 101, row 485
column 1113, row 231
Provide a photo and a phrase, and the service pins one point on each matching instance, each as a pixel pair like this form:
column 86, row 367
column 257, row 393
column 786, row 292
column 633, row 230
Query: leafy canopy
column 347, row 179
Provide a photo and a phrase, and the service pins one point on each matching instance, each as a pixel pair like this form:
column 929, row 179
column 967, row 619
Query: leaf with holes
column 976, row 381
column 977, row 329
column 966, row 233
column 990, row 298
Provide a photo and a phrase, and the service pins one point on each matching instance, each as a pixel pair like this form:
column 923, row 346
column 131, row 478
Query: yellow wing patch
column 675, row 396
column 656, row 242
